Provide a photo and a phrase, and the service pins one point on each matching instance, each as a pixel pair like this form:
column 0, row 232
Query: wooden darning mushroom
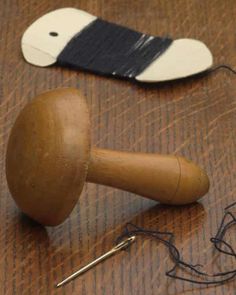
column 49, row 157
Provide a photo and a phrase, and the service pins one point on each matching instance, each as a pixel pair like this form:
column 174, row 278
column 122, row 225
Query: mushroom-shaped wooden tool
column 49, row 158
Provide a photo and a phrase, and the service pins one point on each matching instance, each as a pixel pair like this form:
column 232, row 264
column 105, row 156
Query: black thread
column 111, row 49
column 222, row 66
column 167, row 238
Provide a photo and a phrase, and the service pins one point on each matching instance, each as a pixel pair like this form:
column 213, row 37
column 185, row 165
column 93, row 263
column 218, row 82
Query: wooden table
column 195, row 118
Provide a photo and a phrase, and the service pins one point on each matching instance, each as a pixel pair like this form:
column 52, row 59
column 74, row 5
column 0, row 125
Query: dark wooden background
column 195, row 117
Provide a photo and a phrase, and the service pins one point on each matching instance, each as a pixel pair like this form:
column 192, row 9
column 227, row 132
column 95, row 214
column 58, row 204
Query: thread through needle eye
column 122, row 245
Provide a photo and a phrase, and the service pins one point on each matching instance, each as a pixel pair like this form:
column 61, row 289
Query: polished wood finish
column 48, row 154
column 49, row 157
column 165, row 178
column 194, row 118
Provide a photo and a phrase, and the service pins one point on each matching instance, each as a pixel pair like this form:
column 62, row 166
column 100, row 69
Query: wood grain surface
column 195, row 118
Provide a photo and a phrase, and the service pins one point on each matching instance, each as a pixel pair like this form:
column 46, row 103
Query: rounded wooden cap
column 192, row 185
column 47, row 155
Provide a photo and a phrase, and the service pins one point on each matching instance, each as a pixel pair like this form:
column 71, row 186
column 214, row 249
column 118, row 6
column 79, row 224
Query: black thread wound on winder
column 111, row 49
column 196, row 275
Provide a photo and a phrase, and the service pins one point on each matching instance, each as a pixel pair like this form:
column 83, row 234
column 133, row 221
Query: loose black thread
column 167, row 238
column 111, row 49
column 222, row 66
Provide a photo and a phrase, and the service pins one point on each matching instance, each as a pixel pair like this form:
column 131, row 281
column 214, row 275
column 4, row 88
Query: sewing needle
column 82, row 270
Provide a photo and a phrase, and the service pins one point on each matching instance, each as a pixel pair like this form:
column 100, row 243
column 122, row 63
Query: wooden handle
column 168, row 179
